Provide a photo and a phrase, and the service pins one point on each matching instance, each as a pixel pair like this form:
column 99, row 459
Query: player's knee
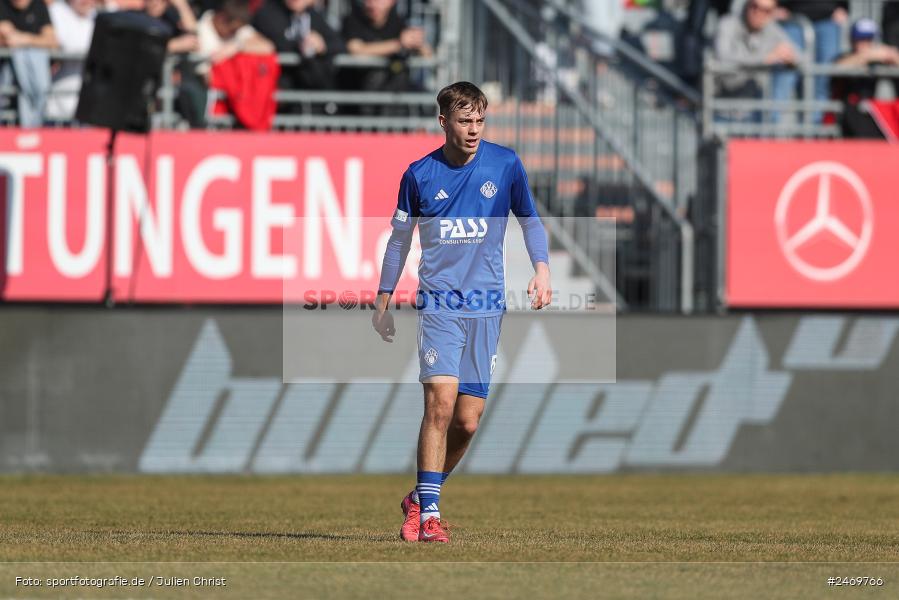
column 467, row 425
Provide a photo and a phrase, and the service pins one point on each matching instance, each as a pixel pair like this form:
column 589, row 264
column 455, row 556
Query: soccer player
column 460, row 195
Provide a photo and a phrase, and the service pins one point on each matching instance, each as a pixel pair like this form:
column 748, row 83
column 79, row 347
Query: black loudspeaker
column 122, row 71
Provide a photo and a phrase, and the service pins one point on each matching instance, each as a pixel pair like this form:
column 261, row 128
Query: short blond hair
column 461, row 95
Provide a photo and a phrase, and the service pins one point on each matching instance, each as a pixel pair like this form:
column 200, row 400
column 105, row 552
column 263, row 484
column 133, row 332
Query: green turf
column 651, row 535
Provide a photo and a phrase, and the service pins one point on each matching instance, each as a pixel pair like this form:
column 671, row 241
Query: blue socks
column 443, row 477
column 428, row 488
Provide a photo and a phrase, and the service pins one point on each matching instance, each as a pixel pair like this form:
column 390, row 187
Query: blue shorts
column 464, row 347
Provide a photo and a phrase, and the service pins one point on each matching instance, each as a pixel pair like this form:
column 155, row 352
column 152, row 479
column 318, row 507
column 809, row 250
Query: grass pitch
column 682, row 536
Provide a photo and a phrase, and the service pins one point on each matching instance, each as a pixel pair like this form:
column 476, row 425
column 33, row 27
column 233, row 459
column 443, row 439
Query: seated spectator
column 221, row 34
column 827, row 18
column 376, row 29
column 856, row 120
column 180, row 17
column 295, row 26
column 26, row 29
column 752, row 39
column 73, row 23
column 224, row 32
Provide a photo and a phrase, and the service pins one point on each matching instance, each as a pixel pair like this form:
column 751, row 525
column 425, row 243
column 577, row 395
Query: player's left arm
column 523, row 207
column 540, row 289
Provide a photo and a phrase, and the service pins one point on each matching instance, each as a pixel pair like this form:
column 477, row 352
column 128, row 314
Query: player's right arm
column 398, row 246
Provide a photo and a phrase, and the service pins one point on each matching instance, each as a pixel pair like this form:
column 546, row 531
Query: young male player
column 460, row 196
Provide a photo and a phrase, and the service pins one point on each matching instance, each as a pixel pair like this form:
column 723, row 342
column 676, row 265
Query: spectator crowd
column 762, row 41
column 212, row 39
column 765, row 41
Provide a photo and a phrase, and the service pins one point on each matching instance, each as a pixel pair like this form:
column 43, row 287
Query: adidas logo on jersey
column 441, row 195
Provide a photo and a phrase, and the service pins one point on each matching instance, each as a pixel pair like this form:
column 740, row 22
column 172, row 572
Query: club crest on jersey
column 462, row 231
column 488, row 189
column 431, row 357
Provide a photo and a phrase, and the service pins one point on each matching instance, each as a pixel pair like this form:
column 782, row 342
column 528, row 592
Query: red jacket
column 249, row 82
column 886, row 114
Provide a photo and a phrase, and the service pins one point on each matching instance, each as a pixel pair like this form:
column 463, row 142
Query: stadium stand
column 807, row 99
column 183, row 97
column 614, row 114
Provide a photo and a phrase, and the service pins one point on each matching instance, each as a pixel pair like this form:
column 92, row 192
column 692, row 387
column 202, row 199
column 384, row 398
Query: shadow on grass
column 299, row 535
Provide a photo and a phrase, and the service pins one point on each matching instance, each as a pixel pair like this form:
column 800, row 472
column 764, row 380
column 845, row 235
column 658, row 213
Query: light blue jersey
column 462, row 213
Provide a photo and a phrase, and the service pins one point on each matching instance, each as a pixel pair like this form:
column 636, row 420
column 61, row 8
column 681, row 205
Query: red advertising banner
column 196, row 217
column 812, row 224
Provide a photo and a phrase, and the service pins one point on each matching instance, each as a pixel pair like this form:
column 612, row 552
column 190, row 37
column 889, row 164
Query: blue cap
column 863, row 29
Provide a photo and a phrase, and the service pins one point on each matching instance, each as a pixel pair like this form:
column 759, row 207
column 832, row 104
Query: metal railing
column 767, row 117
column 872, row 9
column 319, row 109
column 591, row 136
column 421, row 106
column 654, row 110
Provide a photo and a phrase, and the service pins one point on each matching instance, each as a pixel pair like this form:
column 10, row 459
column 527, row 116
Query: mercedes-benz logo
column 825, row 220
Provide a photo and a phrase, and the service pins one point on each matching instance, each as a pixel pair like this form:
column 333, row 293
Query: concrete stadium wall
column 199, row 390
